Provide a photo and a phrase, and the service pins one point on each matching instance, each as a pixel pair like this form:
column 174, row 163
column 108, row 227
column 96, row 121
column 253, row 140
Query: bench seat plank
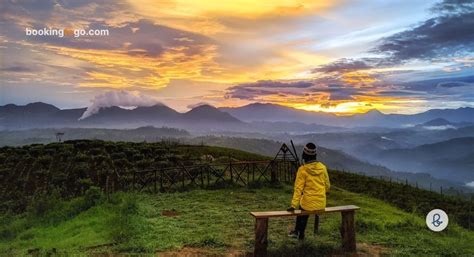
column 269, row 214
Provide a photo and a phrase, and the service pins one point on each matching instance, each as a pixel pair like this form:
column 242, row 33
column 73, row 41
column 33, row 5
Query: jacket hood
column 314, row 168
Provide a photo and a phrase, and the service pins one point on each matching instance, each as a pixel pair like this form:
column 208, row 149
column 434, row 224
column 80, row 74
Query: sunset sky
column 333, row 56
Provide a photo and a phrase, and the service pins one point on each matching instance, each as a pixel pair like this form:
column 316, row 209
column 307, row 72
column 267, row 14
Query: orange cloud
column 357, row 78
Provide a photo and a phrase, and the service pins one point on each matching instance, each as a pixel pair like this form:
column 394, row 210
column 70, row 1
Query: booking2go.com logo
column 52, row 32
column 437, row 220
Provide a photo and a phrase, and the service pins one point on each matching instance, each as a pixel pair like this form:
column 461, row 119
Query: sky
column 335, row 56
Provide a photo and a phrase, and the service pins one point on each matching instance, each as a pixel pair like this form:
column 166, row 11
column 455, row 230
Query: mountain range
column 41, row 115
column 252, row 117
column 272, row 112
column 452, row 159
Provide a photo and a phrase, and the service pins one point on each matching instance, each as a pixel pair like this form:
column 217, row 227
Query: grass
column 218, row 221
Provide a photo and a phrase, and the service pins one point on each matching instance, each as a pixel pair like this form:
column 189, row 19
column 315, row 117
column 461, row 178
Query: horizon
column 249, row 104
column 404, row 58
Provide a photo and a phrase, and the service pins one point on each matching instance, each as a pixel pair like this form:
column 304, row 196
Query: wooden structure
column 347, row 226
column 59, row 136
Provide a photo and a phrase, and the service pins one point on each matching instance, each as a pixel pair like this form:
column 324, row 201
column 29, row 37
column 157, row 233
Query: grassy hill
column 208, row 222
column 217, row 222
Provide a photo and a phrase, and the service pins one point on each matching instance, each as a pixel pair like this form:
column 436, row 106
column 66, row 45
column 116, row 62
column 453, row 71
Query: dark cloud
column 431, row 85
column 250, row 91
column 17, row 69
column 453, row 6
column 339, row 92
column 304, row 88
column 346, row 65
column 451, row 84
column 328, row 89
column 397, row 93
column 449, row 34
column 247, row 93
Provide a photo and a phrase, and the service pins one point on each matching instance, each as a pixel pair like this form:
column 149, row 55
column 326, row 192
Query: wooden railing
column 205, row 175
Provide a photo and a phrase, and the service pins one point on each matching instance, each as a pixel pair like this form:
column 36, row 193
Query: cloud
column 451, row 84
column 252, row 91
column 118, row 98
column 17, row 69
column 327, row 89
column 453, row 6
column 346, row 65
column 449, row 34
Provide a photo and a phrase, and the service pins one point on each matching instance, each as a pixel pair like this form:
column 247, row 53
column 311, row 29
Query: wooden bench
column 347, row 226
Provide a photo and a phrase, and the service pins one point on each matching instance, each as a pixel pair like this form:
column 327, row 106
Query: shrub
column 43, row 202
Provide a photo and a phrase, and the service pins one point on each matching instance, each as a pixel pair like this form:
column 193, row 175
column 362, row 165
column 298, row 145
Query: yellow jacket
column 311, row 185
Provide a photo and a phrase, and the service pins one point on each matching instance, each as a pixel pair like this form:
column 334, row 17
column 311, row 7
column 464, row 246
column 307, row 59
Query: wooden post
column 248, row 173
column 261, row 237
column 155, row 182
column 348, row 231
column 161, row 181
column 107, row 187
column 253, row 172
column 133, row 184
column 230, row 169
column 272, row 173
column 202, row 178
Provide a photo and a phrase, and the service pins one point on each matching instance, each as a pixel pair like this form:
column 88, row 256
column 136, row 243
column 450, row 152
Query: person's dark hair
column 309, row 152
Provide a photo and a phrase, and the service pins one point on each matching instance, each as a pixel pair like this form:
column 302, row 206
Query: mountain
column 209, row 114
column 452, row 159
column 437, row 122
column 25, row 116
column 140, row 116
column 41, row 115
column 442, row 124
column 273, row 112
column 71, row 115
column 37, row 108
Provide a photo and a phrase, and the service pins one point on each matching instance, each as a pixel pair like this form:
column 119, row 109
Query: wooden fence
column 205, row 175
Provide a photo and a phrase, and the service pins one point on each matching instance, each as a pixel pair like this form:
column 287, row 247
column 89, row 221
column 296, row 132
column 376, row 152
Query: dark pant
column 302, row 221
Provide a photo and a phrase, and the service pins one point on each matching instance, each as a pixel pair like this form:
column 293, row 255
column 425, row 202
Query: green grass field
column 217, row 222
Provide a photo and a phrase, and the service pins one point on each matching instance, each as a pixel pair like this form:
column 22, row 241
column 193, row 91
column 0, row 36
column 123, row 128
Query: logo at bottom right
column 437, row 220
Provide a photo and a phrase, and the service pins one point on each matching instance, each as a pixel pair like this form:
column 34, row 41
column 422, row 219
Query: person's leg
column 301, row 222
column 316, row 223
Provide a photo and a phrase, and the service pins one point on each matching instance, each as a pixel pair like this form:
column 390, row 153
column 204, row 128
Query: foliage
column 70, row 168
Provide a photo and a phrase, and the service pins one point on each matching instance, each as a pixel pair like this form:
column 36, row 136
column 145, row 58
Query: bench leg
column 261, row 240
column 348, row 231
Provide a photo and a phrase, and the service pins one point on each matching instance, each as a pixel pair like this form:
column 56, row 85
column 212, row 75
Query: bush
column 42, row 203
column 52, row 209
column 123, row 224
column 92, row 196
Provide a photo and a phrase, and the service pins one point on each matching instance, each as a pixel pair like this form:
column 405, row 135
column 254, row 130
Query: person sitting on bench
column 311, row 186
